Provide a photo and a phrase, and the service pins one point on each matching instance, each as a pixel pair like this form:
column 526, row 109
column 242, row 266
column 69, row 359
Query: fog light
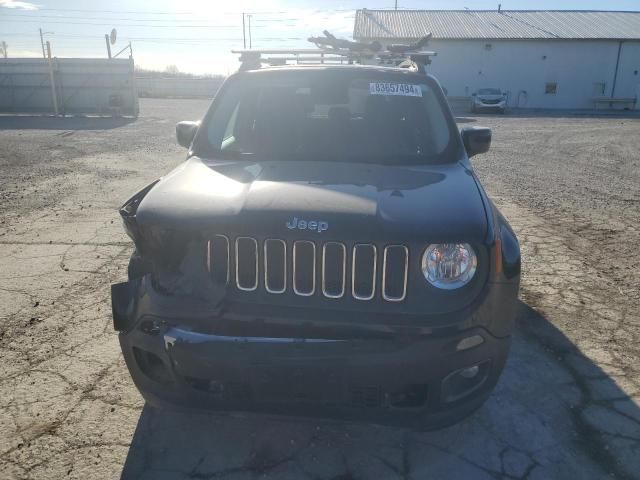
column 470, row 372
column 152, row 366
column 469, row 342
column 463, row 382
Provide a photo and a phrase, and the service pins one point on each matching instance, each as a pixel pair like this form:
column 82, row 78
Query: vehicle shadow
column 28, row 122
column 554, row 414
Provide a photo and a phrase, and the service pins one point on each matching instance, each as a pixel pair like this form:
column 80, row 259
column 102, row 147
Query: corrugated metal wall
column 582, row 71
column 82, row 86
column 494, row 24
column 178, row 87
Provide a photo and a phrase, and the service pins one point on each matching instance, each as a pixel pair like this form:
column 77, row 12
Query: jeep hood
column 364, row 202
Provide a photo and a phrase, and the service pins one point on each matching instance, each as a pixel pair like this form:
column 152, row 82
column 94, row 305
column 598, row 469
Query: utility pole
column 249, row 19
column 4, row 49
column 244, row 34
column 106, row 39
column 396, row 4
column 54, row 95
column 44, row 54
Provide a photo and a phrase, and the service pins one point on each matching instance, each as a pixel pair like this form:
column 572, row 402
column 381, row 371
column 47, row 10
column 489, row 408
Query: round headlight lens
column 449, row 265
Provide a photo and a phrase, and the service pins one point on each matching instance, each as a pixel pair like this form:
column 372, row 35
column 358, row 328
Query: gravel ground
column 566, row 406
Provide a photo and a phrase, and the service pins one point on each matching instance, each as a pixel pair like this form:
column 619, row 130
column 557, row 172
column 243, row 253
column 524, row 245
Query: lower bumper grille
column 308, row 269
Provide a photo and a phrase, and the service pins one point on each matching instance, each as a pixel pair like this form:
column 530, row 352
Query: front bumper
column 407, row 373
column 489, row 106
column 387, row 381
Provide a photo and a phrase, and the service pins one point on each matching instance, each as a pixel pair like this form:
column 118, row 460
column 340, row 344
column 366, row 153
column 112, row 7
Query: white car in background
column 488, row 99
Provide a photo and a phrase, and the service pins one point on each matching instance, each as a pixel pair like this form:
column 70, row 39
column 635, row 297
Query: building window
column 551, row 88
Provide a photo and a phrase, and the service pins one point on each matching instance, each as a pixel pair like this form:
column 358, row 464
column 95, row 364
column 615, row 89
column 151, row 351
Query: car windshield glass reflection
column 327, row 117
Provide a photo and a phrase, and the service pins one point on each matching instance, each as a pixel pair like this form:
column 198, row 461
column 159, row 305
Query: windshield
column 489, row 91
column 328, row 116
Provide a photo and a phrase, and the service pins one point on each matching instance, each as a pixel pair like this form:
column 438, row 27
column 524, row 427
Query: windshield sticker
column 404, row 89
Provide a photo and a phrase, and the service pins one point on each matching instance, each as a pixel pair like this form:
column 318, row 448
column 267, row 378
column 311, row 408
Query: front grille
column 364, row 264
column 394, row 273
column 218, row 259
column 334, row 269
column 275, row 266
column 306, row 268
column 490, row 102
column 246, row 263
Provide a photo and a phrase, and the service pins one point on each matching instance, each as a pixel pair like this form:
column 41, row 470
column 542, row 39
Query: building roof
column 491, row 24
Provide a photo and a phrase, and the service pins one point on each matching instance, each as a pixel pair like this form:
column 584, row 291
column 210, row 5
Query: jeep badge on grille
column 317, row 225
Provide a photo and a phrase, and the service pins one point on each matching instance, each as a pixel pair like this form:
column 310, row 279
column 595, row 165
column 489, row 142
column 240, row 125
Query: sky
column 197, row 35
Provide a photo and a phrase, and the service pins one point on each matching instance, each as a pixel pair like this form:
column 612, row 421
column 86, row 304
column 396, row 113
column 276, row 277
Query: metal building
column 541, row 59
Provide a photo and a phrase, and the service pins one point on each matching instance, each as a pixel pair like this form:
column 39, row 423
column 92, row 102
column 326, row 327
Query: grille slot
column 275, row 266
column 310, row 267
column 334, row 269
column 304, row 268
column 363, row 271
column 395, row 266
column 246, row 263
column 218, row 259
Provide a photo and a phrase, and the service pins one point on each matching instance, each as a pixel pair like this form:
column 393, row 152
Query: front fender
column 510, row 249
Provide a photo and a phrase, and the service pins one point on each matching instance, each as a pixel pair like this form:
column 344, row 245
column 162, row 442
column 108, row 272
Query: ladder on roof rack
column 252, row 59
column 332, row 50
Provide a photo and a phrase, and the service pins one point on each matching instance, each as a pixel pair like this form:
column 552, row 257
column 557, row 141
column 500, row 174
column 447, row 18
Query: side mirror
column 185, row 132
column 473, row 94
column 476, row 140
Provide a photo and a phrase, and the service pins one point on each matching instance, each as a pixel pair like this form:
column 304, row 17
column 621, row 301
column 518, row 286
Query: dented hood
column 357, row 201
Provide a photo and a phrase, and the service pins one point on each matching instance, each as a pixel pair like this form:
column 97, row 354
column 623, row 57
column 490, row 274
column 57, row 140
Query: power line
column 63, row 17
column 87, row 20
column 84, row 38
column 203, row 43
column 49, row 22
column 166, row 12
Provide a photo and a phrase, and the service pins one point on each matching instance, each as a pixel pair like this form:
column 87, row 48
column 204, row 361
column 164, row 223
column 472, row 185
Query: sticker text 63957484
column 404, row 89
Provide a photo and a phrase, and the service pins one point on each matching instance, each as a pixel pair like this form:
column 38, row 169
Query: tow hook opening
column 463, row 382
column 409, row 396
column 152, row 366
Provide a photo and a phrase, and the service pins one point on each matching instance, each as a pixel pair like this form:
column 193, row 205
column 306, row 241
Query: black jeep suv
column 326, row 249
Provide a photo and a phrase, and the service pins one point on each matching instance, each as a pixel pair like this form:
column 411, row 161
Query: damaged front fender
column 123, row 305
column 129, row 210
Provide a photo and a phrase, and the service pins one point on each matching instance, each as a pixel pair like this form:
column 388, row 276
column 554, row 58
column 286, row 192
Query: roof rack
column 255, row 58
column 332, row 50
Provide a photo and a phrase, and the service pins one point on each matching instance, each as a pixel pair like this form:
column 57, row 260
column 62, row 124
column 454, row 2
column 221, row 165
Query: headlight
column 449, row 265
